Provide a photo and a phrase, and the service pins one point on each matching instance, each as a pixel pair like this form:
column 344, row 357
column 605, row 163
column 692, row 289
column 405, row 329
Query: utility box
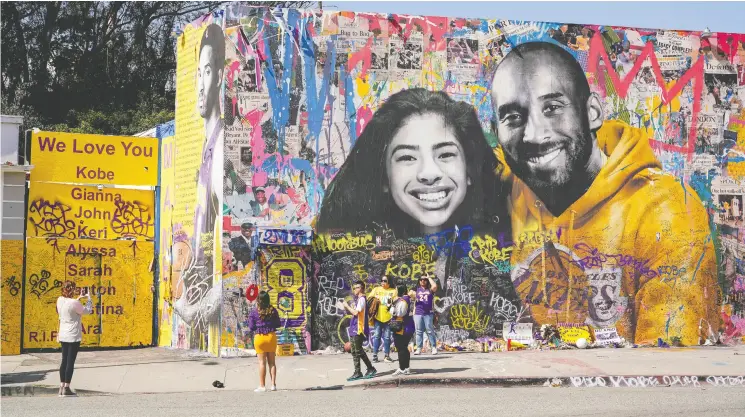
column 10, row 139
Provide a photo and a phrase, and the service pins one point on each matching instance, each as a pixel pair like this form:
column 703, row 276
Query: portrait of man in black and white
column 197, row 277
column 242, row 246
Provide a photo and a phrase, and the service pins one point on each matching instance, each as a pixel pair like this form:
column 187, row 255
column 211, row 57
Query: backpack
column 372, row 309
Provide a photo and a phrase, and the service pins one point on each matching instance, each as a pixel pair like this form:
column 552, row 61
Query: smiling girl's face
column 426, row 170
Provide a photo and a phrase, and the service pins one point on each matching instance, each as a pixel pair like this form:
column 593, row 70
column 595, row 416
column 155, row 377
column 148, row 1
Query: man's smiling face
column 541, row 120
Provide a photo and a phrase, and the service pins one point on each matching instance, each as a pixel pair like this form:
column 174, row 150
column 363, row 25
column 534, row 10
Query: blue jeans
column 422, row 323
column 384, row 330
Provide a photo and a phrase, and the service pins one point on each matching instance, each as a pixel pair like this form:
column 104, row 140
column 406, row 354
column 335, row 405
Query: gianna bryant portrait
column 422, row 165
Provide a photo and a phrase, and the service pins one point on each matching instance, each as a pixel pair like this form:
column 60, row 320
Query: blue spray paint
column 280, row 95
column 349, row 101
column 316, row 100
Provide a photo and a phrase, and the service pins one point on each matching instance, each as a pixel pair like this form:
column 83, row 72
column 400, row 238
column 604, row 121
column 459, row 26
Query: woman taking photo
column 402, row 325
column 264, row 322
column 422, row 165
column 70, row 333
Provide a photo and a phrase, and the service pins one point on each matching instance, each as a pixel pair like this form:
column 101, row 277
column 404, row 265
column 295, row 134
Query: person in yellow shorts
column 264, row 322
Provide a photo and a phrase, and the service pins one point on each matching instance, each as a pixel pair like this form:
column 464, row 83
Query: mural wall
column 166, row 204
column 82, row 229
column 540, row 172
column 11, row 251
column 196, row 289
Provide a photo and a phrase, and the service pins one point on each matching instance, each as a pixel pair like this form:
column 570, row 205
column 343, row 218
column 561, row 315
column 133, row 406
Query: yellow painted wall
column 11, row 255
column 75, row 211
column 119, row 273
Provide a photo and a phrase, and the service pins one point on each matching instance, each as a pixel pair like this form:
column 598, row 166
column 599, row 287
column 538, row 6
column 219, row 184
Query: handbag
column 397, row 322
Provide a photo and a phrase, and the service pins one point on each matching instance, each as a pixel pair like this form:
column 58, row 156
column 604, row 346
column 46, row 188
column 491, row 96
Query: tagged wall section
column 100, row 237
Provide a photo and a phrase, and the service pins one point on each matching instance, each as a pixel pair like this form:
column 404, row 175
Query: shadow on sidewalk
column 23, row 377
column 429, row 358
column 415, row 372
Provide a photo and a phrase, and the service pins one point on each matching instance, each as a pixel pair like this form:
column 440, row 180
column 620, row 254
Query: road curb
column 41, row 391
column 604, row 381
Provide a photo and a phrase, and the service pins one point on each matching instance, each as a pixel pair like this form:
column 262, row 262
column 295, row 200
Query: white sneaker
column 260, row 389
column 398, row 372
column 434, row 351
column 407, row 371
column 417, row 351
column 274, row 388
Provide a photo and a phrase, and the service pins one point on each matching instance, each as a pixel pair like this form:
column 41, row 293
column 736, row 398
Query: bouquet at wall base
column 471, row 345
column 550, row 334
column 328, row 351
column 452, row 348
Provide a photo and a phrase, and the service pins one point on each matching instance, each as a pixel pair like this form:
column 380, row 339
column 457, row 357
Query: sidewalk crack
column 118, row 390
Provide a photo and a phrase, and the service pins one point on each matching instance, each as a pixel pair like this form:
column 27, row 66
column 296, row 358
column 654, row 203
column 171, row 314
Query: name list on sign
column 95, row 158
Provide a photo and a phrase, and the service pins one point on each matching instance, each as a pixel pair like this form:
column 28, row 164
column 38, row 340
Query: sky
column 717, row 16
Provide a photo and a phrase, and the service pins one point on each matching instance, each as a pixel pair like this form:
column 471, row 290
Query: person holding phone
column 70, row 311
column 264, row 322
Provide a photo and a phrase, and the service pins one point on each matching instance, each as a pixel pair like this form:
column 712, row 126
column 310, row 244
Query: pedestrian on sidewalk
column 264, row 322
column 359, row 330
column 402, row 325
column 424, row 318
column 385, row 294
column 70, row 334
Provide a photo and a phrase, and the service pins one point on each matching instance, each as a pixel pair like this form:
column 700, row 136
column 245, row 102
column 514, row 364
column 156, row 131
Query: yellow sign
column 76, row 211
column 116, row 272
column 94, row 159
column 572, row 334
column 11, row 257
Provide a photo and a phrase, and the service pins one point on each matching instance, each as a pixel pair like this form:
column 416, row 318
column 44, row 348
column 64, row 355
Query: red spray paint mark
column 364, row 55
column 364, row 115
column 252, row 293
column 695, row 74
column 728, row 44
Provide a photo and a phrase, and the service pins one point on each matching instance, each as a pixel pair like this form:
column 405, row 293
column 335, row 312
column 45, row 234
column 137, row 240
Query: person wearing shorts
column 264, row 322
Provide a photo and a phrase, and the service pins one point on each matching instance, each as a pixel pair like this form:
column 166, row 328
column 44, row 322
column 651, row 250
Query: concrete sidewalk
column 162, row 370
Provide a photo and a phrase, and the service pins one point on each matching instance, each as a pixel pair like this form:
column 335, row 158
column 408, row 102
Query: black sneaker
column 355, row 377
column 387, row 359
column 375, row 359
column 370, row 373
column 69, row 393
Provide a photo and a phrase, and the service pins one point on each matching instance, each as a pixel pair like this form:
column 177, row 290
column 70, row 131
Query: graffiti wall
column 165, row 133
column 285, row 272
column 540, row 172
column 85, row 226
column 116, row 272
column 196, row 288
column 11, row 251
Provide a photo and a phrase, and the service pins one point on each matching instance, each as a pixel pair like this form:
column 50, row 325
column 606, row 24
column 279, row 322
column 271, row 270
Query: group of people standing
column 399, row 312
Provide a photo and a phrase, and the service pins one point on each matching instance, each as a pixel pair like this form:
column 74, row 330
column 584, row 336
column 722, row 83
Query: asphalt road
column 543, row 402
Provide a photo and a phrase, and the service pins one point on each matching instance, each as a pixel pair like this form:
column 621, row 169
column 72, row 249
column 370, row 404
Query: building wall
column 196, row 277
column 91, row 220
column 12, row 215
column 594, row 181
column 11, row 254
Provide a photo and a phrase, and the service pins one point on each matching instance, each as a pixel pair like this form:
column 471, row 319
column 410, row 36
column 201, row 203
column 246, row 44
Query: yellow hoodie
column 634, row 252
